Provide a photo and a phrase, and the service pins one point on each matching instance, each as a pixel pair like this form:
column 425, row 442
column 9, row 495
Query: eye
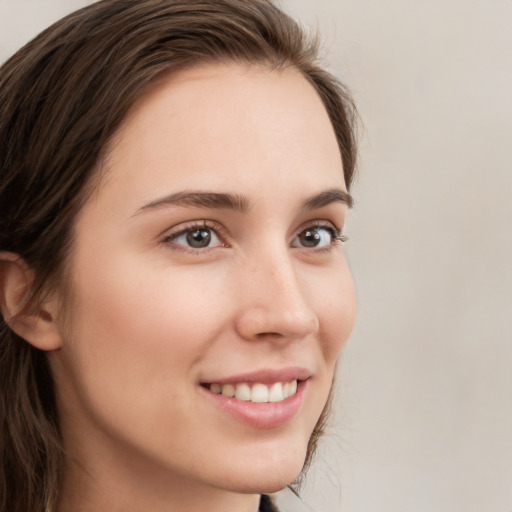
column 318, row 237
column 195, row 237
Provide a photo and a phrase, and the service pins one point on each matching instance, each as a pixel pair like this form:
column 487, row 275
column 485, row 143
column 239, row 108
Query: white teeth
column 276, row 392
column 259, row 393
column 243, row 392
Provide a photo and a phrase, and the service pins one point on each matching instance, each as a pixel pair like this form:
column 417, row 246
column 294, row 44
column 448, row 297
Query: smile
column 257, row 392
column 259, row 405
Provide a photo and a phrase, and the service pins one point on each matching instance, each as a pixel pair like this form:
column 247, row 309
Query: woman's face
column 206, row 263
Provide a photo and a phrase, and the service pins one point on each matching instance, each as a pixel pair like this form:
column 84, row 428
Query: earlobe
column 33, row 322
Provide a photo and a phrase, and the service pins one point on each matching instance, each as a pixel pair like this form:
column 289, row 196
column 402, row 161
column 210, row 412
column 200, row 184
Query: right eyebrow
column 218, row 200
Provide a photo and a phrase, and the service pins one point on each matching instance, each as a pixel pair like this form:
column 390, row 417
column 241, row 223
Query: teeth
column 228, row 390
column 259, row 393
column 276, row 392
column 243, row 392
column 216, row 388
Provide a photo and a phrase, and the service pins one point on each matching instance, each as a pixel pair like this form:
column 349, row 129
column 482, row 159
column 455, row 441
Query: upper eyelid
column 318, row 224
column 193, row 224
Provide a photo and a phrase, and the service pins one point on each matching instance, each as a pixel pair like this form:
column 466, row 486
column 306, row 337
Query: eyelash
column 195, row 226
column 336, row 235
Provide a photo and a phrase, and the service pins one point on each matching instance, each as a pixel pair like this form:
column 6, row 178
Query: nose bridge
column 273, row 300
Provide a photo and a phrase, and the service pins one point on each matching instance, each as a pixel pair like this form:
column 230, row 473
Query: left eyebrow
column 333, row 195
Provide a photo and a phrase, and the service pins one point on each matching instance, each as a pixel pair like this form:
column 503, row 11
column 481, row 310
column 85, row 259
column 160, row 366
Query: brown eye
column 199, row 238
column 315, row 237
column 310, row 238
column 196, row 237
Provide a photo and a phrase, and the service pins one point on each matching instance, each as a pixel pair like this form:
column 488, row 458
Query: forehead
column 225, row 126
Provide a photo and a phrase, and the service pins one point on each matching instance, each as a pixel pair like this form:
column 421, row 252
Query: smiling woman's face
column 207, row 263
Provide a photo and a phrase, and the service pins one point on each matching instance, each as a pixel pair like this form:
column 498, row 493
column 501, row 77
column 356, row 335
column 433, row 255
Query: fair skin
column 173, row 291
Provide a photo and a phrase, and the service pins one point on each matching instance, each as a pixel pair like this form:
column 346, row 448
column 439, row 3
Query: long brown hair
column 62, row 97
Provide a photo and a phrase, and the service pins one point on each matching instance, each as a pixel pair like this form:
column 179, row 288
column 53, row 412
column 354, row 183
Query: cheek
column 336, row 306
column 136, row 303
column 334, row 301
column 137, row 332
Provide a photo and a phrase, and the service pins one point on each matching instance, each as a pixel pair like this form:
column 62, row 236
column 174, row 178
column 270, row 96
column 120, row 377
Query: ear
column 35, row 323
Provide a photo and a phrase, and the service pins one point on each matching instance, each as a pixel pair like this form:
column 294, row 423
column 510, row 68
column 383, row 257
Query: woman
column 175, row 177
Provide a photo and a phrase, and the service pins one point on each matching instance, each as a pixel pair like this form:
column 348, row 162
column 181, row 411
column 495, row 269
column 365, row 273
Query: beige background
column 424, row 407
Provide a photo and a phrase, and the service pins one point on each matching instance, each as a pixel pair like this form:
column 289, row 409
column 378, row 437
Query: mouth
column 257, row 392
column 263, row 399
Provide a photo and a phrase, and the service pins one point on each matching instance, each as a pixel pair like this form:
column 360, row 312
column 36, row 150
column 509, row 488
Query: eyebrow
column 240, row 203
column 214, row 200
column 333, row 195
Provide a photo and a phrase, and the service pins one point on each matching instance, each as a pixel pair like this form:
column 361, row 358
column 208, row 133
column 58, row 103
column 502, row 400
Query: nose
column 273, row 303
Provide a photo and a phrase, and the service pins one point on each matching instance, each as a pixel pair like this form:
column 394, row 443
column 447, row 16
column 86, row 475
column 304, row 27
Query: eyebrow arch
column 216, row 200
column 333, row 195
column 240, row 203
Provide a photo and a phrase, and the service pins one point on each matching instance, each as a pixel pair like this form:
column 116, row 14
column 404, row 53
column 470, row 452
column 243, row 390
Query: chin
column 265, row 484
column 269, row 473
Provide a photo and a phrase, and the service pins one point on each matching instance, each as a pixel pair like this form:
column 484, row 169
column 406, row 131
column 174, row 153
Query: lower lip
column 260, row 415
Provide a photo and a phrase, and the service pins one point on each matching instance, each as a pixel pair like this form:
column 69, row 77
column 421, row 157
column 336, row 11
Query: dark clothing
column 266, row 504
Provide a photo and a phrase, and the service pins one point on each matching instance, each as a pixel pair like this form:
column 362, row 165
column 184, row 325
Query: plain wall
column 423, row 411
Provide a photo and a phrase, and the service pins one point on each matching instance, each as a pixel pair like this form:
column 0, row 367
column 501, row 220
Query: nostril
column 268, row 334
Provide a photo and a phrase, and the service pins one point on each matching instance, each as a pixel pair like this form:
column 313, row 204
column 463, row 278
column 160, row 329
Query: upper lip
column 265, row 376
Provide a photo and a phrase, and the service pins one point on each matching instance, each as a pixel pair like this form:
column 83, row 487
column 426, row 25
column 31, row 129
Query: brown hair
column 62, row 97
